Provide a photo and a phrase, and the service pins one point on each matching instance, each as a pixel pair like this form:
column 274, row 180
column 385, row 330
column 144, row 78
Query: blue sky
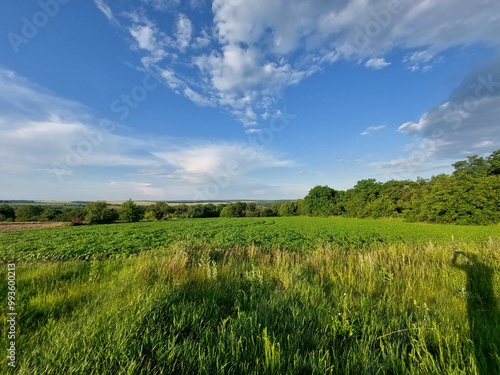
column 240, row 99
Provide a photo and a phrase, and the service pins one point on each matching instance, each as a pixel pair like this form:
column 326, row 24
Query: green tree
column 320, row 201
column 50, row 214
column 181, row 210
column 252, row 210
column 99, row 213
column 160, row 210
column 459, row 199
column 236, row 209
column 288, row 209
column 68, row 214
column 494, row 163
column 475, row 166
column 7, row 213
column 29, row 213
column 130, row 212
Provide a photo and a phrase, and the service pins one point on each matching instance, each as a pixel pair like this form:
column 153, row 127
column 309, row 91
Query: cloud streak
column 250, row 51
column 372, row 129
column 61, row 142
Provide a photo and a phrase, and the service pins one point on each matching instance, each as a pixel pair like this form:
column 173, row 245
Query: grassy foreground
column 395, row 309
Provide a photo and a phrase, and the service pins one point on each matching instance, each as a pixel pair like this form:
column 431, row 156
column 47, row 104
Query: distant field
column 294, row 295
column 296, row 234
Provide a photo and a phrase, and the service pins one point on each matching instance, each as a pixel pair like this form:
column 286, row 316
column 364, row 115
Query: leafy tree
column 69, row 214
column 50, row 214
column 494, row 163
column 320, row 201
column 99, row 213
column 383, row 206
column 130, row 212
column 160, row 210
column 28, row 213
column 252, row 210
column 462, row 199
column 476, row 166
column 7, row 213
column 236, row 209
column 211, row 210
column 267, row 211
column 181, row 210
column 288, row 209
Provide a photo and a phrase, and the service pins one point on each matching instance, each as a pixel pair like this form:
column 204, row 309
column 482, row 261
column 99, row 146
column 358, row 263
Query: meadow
column 293, row 295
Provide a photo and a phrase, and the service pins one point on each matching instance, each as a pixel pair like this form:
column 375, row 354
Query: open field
column 296, row 234
column 256, row 296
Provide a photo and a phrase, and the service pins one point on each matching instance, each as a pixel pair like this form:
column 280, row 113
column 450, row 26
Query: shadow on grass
column 483, row 312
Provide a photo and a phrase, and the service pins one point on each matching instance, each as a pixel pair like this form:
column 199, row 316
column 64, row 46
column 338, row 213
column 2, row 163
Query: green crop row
column 296, row 234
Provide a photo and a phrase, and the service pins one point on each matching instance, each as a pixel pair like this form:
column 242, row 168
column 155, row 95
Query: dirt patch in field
column 22, row 226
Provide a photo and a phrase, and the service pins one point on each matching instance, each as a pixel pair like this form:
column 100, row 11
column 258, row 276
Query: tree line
column 470, row 195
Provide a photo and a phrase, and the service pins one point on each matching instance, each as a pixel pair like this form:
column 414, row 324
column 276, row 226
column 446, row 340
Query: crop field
column 295, row 234
column 294, row 295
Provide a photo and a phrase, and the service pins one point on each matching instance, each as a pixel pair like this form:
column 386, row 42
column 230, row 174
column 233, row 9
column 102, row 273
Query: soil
column 22, row 226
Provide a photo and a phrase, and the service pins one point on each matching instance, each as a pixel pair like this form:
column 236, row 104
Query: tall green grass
column 194, row 309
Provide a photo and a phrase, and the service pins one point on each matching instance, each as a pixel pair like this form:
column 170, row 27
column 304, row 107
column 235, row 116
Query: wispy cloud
column 377, row 63
column 372, row 129
column 106, row 10
column 184, row 31
column 466, row 123
column 250, row 52
column 62, row 142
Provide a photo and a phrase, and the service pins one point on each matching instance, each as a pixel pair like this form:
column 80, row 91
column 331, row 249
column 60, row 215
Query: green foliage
column 494, row 163
column 474, row 166
column 202, row 210
column 160, row 210
column 29, row 213
column 288, row 209
column 99, row 213
column 69, row 214
column 320, row 201
column 460, row 199
column 469, row 196
column 296, row 234
column 194, row 309
column 7, row 213
column 236, row 209
column 130, row 212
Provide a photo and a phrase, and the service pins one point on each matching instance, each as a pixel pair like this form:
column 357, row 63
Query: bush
column 130, row 212
column 99, row 213
column 7, row 213
column 76, row 220
column 29, row 213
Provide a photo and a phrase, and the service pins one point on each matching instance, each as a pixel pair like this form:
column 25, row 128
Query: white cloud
column 106, row 10
column 62, row 146
column 197, row 98
column 465, row 124
column 254, row 49
column 372, row 129
column 377, row 63
column 184, row 31
column 198, row 162
column 162, row 5
column 149, row 38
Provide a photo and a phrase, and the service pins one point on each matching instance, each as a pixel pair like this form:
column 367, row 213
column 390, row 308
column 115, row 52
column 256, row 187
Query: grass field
column 255, row 296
